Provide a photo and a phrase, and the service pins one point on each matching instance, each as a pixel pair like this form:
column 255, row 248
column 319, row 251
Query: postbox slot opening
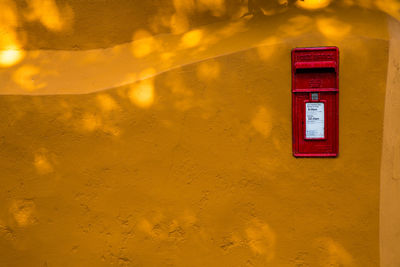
column 315, row 65
column 315, row 70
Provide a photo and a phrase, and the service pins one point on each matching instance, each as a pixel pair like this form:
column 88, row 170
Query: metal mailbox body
column 315, row 101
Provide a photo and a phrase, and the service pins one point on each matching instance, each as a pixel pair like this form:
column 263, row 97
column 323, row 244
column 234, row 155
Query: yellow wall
column 180, row 155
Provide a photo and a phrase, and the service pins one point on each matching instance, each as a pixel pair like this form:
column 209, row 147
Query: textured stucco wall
column 189, row 163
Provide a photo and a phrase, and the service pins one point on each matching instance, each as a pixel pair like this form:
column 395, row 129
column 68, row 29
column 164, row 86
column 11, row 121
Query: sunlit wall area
column 158, row 133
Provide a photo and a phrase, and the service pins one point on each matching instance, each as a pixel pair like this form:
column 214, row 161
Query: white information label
column 315, row 120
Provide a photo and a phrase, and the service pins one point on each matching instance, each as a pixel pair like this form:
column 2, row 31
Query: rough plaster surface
column 193, row 166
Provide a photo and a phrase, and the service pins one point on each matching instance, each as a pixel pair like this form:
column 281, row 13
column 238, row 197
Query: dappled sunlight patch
column 42, row 162
column 10, row 49
column 192, row 38
column 313, row 4
column 143, row 44
column 333, row 28
column 142, row 93
column 261, row 239
column 28, row 78
column 91, row 122
column 262, row 121
column 50, row 14
column 208, row 70
column 106, row 102
column 331, row 253
column 11, row 56
column 23, row 212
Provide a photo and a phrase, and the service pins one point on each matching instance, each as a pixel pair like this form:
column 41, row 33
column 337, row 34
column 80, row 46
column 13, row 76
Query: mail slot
column 315, row 101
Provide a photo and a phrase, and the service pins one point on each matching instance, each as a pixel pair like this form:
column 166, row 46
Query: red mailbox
column 315, row 101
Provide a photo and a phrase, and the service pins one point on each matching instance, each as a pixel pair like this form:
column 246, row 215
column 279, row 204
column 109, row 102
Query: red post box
column 315, row 101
